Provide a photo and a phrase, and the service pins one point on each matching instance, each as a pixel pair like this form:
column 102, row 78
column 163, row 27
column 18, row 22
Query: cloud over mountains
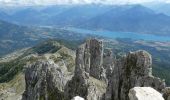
column 51, row 2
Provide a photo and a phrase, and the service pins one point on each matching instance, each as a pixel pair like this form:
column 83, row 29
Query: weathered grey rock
column 90, row 76
column 95, row 49
column 144, row 93
column 118, row 77
column 97, row 76
column 108, row 62
column 44, row 81
column 166, row 93
column 90, row 89
column 135, row 70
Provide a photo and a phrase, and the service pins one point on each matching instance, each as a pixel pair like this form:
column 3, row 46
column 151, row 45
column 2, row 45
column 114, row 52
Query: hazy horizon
column 66, row 2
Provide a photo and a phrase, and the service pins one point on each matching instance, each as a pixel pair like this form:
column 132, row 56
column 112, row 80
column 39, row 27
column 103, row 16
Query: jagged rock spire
column 131, row 71
column 96, row 77
column 90, row 79
column 89, row 58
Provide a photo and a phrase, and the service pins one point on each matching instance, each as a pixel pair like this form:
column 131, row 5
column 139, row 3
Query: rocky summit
column 97, row 76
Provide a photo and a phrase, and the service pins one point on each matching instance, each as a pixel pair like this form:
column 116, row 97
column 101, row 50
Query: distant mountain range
column 125, row 18
column 134, row 19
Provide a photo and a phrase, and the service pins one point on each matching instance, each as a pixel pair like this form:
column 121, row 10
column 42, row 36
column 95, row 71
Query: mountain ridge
column 97, row 75
column 136, row 19
column 124, row 18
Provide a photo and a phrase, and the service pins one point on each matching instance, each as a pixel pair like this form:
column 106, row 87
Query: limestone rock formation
column 97, row 76
column 108, row 63
column 144, row 93
column 133, row 70
column 166, row 93
column 44, row 81
column 90, row 79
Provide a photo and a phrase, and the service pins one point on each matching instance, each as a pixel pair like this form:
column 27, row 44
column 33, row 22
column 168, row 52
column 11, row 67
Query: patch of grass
column 8, row 70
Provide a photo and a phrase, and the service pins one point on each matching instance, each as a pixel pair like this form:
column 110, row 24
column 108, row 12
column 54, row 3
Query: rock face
column 44, row 81
column 108, row 63
column 166, row 93
column 97, row 76
column 144, row 93
column 134, row 70
column 90, row 79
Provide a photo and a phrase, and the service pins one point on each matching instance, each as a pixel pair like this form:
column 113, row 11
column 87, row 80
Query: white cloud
column 47, row 2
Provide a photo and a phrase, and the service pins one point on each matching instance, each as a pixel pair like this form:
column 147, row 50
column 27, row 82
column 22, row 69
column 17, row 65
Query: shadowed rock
column 166, row 93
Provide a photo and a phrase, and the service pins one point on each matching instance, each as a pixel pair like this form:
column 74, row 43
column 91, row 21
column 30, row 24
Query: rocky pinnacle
column 97, row 76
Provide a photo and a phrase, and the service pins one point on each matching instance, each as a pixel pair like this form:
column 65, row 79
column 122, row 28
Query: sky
column 54, row 2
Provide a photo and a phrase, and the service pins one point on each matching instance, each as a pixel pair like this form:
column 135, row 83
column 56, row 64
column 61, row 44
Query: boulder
column 144, row 93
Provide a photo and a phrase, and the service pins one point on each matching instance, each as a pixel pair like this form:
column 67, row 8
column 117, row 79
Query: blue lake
column 114, row 35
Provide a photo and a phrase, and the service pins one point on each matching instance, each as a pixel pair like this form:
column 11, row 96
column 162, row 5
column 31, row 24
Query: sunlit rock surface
column 77, row 98
column 144, row 93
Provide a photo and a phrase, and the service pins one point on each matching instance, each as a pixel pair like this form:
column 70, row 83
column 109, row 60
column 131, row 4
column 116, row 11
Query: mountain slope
column 124, row 18
column 160, row 8
column 13, row 37
column 3, row 15
column 12, row 70
column 27, row 16
column 77, row 14
column 134, row 19
column 59, row 15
